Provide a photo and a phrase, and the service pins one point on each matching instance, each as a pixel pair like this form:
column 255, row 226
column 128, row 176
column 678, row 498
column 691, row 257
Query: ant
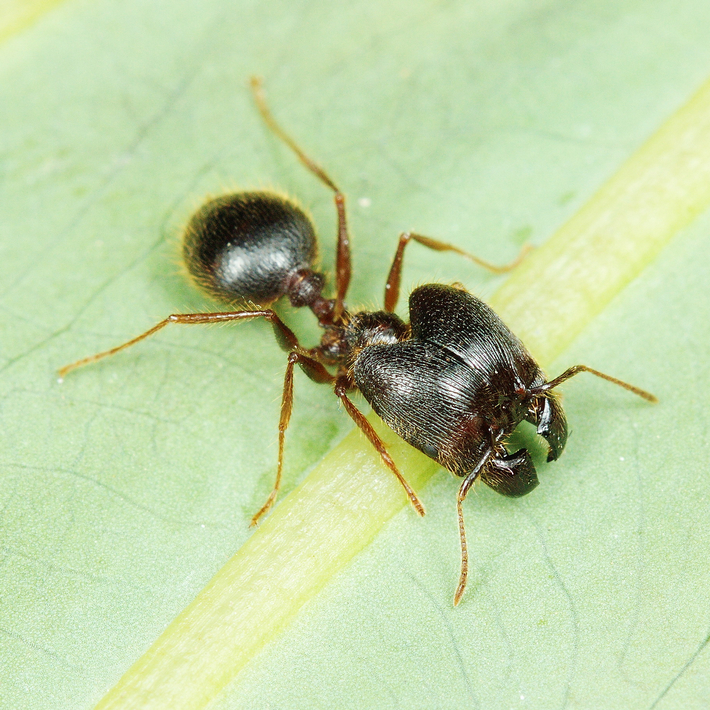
column 454, row 382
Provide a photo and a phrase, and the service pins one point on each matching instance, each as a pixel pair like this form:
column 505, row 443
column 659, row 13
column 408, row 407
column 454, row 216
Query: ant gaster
column 454, row 382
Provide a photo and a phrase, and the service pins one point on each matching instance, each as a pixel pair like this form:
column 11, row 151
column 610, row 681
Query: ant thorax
column 379, row 328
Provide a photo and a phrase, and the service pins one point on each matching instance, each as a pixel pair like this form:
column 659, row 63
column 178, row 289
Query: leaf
column 128, row 486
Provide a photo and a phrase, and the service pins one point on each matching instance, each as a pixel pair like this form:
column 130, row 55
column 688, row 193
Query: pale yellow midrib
column 15, row 15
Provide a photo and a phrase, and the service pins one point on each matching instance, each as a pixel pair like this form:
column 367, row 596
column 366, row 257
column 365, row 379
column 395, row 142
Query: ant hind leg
column 343, row 267
column 284, row 335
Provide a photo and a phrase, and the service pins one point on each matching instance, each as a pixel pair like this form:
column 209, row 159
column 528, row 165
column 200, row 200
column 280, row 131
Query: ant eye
column 431, row 451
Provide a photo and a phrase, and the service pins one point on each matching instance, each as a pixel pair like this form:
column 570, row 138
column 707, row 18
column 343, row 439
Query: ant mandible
column 454, row 382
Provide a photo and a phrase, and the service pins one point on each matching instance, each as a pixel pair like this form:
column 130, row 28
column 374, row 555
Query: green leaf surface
column 127, row 487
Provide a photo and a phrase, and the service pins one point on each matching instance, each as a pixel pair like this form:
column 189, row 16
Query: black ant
column 454, row 382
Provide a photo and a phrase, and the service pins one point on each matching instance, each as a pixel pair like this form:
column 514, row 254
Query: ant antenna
column 576, row 369
column 463, row 492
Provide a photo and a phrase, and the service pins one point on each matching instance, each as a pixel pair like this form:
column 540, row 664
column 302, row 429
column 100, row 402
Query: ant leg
column 572, row 371
column 343, row 267
column 394, row 278
column 271, row 122
column 286, row 339
column 317, row 373
column 367, row 429
column 284, row 335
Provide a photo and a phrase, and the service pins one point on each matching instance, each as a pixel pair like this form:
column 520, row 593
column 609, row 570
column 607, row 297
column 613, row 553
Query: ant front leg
column 343, row 268
column 395, row 275
column 285, row 337
column 341, row 388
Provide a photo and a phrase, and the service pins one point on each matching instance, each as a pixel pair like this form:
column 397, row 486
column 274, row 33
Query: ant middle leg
column 285, row 337
column 395, row 274
column 359, row 418
column 317, row 373
column 343, row 267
